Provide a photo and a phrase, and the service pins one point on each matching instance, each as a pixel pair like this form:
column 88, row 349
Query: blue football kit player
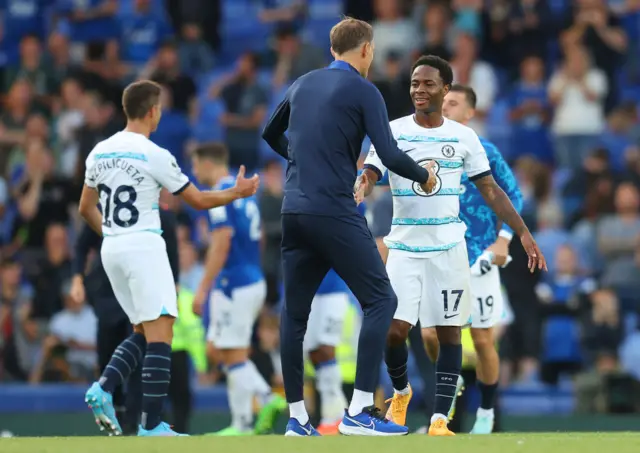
column 488, row 248
column 233, row 272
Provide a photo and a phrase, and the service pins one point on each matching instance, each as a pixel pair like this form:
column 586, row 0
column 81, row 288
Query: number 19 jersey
column 427, row 224
column 128, row 170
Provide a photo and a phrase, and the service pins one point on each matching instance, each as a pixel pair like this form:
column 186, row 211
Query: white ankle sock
column 299, row 412
column 359, row 401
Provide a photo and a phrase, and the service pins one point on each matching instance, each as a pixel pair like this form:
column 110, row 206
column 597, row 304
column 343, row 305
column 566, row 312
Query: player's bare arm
column 245, row 187
column 498, row 200
column 216, row 258
column 88, row 208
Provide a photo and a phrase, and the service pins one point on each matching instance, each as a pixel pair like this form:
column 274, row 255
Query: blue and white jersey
column 243, row 265
column 482, row 222
column 332, row 283
column 425, row 224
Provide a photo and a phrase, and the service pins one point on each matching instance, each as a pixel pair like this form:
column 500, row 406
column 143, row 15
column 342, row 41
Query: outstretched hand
column 360, row 188
column 246, row 186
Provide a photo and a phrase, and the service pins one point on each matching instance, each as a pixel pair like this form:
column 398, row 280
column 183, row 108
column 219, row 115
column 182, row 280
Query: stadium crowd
column 558, row 85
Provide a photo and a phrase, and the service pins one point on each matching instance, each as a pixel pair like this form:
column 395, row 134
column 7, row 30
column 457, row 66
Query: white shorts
column 232, row 318
column 326, row 320
column 434, row 291
column 487, row 302
column 140, row 275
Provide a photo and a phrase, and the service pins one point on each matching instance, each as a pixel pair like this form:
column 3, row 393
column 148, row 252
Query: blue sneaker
column 295, row 429
column 162, row 430
column 370, row 422
column 101, row 404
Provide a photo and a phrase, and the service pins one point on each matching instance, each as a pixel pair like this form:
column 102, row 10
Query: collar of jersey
column 338, row 64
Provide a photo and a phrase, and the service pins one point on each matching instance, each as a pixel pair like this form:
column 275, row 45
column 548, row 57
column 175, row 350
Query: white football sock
column 260, row 387
column 329, row 385
column 240, row 394
column 359, row 401
column 299, row 412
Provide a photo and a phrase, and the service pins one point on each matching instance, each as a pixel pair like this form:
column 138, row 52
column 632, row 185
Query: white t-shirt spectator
column 484, row 82
column 81, row 327
column 576, row 114
column 399, row 36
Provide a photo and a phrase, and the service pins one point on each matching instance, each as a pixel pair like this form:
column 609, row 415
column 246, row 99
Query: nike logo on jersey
column 451, row 316
column 408, row 150
column 371, row 425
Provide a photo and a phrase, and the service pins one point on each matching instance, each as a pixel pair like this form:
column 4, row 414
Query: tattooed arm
column 498, row 200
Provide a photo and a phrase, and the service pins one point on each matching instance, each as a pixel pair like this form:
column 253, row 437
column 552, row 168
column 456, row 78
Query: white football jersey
column 428, row 224
column 128, row 170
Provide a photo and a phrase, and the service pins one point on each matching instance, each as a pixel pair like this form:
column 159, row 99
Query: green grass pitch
column 508, row 443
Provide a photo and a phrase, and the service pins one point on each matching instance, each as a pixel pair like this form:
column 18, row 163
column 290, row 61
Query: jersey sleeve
column 476, row 163
column 373, row 162
column 507, row 181
column 90, row 172
column 165, row 169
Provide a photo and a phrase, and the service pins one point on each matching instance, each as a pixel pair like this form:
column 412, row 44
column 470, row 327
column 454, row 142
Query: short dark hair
column 214, row 151
column 433, row 61
column 349, row 34
column 139, row 97
column 469, row 93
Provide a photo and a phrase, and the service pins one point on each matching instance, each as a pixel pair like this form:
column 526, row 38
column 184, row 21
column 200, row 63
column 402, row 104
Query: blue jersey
column 332, row 283
column 481, row 221
column 243, row 265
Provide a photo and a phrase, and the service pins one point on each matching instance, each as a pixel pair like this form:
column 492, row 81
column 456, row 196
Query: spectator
column 294, row 57
column 591, row 25
column 394, row 86
column 21, row 18
column 436, row 26
column 143, row 32
column 479, row 75
column 560, row 296
column 577, row 92
column 100, row 122
column 617, row 233
column 20, row 335
column 530, row 112
column 43, row 198
column 174, row 129
column 245, row 104
column 195, row 54
column 58, row 60
column 70, row 120
column 622, row 276
column 530, row 29
column 90, row 20
column 73, row 333
column 468, row 17
column 191, row 270
column 393, row 32
column 165, row 69
column 31, row 68
column 601, row 329
column 270, row 205
column 49, row 274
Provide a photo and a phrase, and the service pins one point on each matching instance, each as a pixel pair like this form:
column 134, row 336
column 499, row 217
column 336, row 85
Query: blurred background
column 558, row 85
